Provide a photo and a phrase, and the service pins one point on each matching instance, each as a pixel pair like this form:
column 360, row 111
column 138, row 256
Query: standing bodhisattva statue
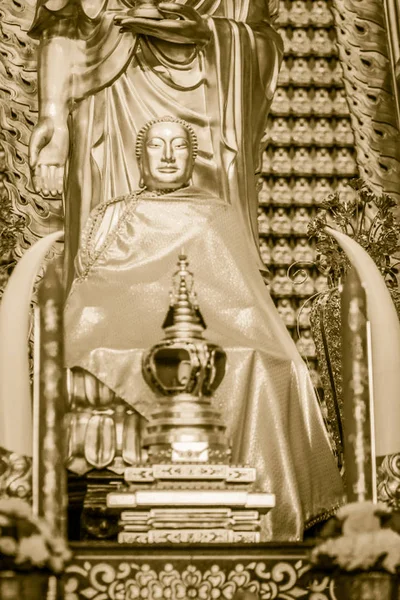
column 104, row 73
column 117, row 304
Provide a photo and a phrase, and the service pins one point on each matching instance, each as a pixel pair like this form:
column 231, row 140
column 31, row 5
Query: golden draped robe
column 117, row 305
column 118, row 301
column 121, row 81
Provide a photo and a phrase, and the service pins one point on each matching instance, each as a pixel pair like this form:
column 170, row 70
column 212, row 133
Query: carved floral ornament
column 131, row 581
column 369, row 219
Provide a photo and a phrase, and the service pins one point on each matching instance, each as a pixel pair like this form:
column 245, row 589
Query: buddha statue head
column 166, row 149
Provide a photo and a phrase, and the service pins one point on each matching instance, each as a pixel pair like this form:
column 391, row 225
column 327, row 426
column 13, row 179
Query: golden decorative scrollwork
column 15, row 475
column 389, row 480
column 363, row 50
column 176, row 581
column 18, row 114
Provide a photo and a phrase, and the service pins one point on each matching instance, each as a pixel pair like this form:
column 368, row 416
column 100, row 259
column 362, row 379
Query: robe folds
column 120, row 81
column 120, row 289
column 115, row 311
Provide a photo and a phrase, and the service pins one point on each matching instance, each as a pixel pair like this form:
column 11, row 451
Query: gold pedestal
column 190, row 503
column 187, row 492
column 185, row 428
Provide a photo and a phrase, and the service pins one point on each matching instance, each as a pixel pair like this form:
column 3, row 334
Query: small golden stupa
column 184, row 370
column 187, row 491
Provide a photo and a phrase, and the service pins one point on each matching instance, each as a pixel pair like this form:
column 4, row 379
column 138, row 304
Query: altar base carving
column 250, row 572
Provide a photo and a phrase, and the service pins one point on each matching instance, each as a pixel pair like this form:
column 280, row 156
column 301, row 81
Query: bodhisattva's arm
column 49, row 144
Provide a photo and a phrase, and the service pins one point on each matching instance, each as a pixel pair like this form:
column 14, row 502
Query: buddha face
column 166, row 161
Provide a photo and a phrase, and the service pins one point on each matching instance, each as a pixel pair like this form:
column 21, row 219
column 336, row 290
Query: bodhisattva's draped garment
column 118, row 301
column 121, row 81
column 117, row 305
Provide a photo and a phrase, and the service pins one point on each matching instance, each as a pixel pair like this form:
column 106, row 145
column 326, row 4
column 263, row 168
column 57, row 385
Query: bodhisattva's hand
column 182, row 25
column 48, row 153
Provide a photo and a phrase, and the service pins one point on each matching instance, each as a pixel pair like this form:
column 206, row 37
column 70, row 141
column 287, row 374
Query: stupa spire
column 184, row 317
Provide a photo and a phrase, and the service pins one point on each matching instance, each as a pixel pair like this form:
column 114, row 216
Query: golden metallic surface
column 214, row 503
column 266, row 397
column 247, row 571
column 365, row 40
column 110, row 102
column 184, row 369
column 102, row 431
column 15, row 475
column 198, row 501
column 146, row 9
column 187, row 536
column 218, row 73
column 190, row 472
column 388, row 475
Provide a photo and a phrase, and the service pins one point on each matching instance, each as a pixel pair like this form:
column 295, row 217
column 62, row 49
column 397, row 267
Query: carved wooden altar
column 247, row 572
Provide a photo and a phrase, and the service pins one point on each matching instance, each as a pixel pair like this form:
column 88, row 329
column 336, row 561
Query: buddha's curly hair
column 167, row 119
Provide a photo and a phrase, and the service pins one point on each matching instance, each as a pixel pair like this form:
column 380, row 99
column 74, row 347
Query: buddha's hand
column 48, row 153
column 182, row 25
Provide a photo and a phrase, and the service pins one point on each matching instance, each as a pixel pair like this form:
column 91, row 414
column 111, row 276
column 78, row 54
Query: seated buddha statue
column 117, row 304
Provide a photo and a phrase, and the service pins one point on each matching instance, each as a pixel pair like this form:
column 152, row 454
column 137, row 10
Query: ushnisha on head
column 166, row 149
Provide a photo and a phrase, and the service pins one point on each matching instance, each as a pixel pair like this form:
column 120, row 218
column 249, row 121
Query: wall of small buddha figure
column 309, row 154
